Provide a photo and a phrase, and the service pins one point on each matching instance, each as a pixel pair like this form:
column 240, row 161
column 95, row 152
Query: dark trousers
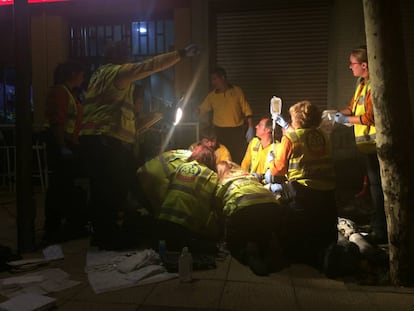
column 110, row 166
column 234, row 139
column 257, row 224
column 65, row 204
column 311, row 224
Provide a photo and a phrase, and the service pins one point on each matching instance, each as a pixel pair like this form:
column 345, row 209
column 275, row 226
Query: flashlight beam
column 184, row 103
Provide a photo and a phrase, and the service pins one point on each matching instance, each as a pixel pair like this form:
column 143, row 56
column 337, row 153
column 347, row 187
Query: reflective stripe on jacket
column 72, row 118
column 242, row 190
column 157, row 173
column 364, row 135
column 189, row 199
column 108, row 110
column 71, row 113
column 311, row 161
column 254, row 160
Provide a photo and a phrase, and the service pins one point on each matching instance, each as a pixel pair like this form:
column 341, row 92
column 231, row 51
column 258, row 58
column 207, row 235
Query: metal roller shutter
column 281, row 50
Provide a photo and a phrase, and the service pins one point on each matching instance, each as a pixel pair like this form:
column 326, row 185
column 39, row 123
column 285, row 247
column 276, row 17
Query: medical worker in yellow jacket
column 188, row 216
column 253, row 219
column 305, row 158
column 65, row 215
column 108, row 134
column 360, row 113
column 154, row 177
column 260, row 151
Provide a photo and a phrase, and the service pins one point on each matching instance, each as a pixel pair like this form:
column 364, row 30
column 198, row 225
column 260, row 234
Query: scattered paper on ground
column 28, row 302
column 39, row 282
column 104, row 274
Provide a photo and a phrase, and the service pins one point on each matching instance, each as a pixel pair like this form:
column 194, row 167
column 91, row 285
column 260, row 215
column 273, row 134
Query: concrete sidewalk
column 231, row 286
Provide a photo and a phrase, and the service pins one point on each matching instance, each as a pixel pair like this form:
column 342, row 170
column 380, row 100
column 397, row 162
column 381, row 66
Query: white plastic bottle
column 185, row 266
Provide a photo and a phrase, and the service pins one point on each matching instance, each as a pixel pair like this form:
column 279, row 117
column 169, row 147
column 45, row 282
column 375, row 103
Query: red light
column 40, row 1
column 9, row 2
column 6, row 2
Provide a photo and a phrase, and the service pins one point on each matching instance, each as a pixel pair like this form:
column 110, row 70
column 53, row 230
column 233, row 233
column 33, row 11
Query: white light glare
column 178, row 115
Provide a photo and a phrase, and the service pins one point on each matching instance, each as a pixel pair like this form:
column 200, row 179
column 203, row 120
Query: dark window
column 146, row 38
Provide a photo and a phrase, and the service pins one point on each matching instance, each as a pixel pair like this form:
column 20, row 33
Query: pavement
column 231, row 286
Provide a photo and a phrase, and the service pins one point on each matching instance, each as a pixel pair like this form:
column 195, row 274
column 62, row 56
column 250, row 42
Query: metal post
column 26, row 211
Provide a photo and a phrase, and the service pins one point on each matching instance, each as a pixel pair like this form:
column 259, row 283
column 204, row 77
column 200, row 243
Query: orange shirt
column 280, row 165
column 368, row 117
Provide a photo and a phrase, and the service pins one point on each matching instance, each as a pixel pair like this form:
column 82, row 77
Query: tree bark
column 394, row 125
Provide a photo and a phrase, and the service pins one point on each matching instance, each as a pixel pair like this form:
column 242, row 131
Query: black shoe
column 274, row 256
column 331, row 261
column 256, row 263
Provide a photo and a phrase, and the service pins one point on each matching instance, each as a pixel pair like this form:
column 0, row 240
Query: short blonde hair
column 305, row 115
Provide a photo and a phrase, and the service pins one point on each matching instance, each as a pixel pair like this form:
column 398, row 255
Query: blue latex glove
column 258, row 176
column 274, row 187
column 341, row 118
column 190, row 50
column 270, row 156
column 250, row 134
column 268, row 177
column 281, row 122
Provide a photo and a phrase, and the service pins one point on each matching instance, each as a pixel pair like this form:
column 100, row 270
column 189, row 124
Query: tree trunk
column 392, row 110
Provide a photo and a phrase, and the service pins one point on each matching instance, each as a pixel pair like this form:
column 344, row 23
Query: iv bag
column 275, row 106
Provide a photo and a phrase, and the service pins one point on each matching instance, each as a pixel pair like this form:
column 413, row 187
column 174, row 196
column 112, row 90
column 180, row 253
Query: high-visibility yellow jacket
column 361, row 104
column 62, row 107
column 240, row 190
column 190, row 199
column 311, row 162
column 109, row 110
column 155, row 174
column 255, row 158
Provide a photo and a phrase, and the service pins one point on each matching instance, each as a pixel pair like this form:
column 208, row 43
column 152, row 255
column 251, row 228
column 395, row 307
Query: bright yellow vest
column 108, row 110
column 157, row 173
column 189, row 199
column 311, row 161
column 242, row 190
column 71, row 114
column 258, row 156
column 364, row 135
